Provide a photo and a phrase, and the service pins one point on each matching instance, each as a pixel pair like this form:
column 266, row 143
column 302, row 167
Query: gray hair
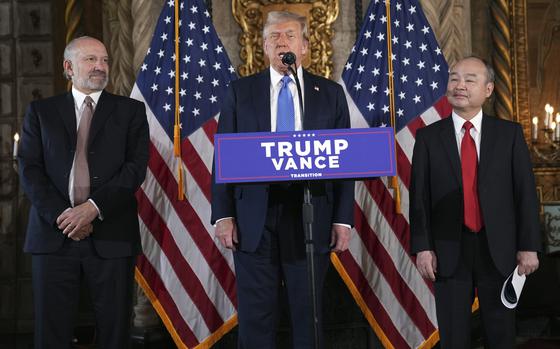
column 277, row 17
column 70, row 52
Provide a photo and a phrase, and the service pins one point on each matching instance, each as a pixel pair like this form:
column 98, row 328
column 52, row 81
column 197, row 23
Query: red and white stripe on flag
column 378, row 269
column 186, row 274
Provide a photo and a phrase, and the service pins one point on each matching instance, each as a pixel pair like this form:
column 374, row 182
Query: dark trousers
column 259, row 275
column 454, row 296
column 56, row 287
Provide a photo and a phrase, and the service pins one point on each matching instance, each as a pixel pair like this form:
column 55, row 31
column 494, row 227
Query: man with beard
column 82, row 157
column 262, row 223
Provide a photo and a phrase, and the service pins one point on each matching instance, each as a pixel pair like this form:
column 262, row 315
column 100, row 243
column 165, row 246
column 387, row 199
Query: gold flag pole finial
column 177, row 126
column 394, row 180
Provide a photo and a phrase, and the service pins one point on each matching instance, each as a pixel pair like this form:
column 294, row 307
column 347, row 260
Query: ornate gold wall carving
column 117, row 15
column 520, row 68
column 72, row 17
column 548, row 184
column 450, row 21
column 144, row 15
column 250, row 15
column 502, row 58
column 543, row 19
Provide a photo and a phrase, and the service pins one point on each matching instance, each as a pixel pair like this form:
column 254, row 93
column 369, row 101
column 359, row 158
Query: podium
column 304, row 155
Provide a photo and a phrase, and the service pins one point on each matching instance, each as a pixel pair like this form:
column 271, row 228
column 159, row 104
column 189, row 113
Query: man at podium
column 262, row 222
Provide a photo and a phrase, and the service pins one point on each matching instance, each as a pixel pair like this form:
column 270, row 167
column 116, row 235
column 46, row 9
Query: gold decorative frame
column 552, row 226
column 251, row 14
column 510, row 60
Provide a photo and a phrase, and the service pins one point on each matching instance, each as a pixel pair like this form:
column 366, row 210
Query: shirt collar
column 275, row 76
column 459, row 121
column 79, row 97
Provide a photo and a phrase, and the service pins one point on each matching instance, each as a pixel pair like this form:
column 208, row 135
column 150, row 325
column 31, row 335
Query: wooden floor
column 26, row 342
column 533, row 333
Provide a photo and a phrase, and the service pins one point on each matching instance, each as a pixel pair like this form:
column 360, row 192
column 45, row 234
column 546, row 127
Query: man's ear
column 67, row 65
column 305, row 47
column 489, row 89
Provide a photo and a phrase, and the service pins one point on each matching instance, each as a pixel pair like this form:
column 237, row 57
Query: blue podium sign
column 304, row 155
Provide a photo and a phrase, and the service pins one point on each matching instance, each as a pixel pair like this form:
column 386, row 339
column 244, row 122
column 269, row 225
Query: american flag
column 380, row 273
column 188, row 277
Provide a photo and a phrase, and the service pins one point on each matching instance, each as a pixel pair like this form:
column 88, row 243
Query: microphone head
column 288, row 58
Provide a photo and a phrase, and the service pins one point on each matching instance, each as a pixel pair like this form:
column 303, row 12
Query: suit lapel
column 449, row 141
column 487, row 141
column 261, row 100
column 103, row 109
column 67, row 111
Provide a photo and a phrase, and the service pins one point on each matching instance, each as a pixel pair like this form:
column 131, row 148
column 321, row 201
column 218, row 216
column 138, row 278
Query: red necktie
column 469, row 164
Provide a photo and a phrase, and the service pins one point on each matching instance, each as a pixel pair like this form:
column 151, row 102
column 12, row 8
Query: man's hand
column 426, row 262
column 226, row 232
column 82, row 233
column 340, row 238
column 76, row 218
column 527, row 261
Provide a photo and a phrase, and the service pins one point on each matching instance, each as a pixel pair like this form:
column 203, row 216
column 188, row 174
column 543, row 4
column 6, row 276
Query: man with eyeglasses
column 262, row 223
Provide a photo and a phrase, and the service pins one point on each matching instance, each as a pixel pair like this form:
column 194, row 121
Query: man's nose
column 101, row 65
column 461, row 84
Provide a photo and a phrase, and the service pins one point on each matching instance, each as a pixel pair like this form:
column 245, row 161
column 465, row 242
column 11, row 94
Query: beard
column 90, row 81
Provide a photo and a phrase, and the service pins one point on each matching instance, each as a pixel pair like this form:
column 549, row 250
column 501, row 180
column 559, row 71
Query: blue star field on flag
column 204, row 69
column 420, row 69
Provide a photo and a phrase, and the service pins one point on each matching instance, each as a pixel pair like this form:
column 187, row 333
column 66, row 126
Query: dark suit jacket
column 118, row 155
column 247, row 109
column 506, row 189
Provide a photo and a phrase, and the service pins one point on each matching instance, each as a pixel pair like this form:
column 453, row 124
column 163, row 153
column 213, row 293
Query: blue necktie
column 285, row 115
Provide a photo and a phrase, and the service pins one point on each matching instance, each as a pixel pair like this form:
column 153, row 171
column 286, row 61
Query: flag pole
column 177, row 126
column 394, row 179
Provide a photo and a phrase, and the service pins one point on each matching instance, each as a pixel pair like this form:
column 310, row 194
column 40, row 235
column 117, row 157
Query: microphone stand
column 307, row 211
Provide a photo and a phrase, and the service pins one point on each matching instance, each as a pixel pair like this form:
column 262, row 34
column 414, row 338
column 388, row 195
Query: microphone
column 288, row 58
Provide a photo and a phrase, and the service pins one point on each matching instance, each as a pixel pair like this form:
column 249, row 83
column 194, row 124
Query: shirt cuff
column 343, row 225
column 222, row 219
column 99, row 215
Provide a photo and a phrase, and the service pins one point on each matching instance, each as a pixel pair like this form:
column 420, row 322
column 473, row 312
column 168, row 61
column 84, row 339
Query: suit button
column 95, row 177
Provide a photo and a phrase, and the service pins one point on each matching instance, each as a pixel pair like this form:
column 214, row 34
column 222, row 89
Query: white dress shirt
column 275, row 86
column 476, row 130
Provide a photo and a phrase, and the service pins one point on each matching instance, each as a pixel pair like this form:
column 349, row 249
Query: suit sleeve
column 343, row 190
column 118, row 191
column 222, row 194
column 525, row 196
column 41, row 191
column 420, row 236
